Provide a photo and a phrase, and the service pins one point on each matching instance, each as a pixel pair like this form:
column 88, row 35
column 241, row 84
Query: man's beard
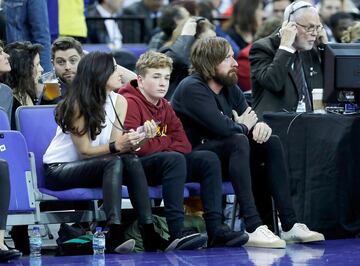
column 67, row 80
column 228, row 80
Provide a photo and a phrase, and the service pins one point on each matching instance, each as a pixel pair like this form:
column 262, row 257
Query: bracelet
column 112, row 147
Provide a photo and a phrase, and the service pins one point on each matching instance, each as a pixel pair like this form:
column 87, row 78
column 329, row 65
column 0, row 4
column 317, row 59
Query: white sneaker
column 264, row 238
column 300, row 233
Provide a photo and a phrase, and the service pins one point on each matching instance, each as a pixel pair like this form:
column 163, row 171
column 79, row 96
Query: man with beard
column 285, row 66
column 216, row 117
column 66, row 53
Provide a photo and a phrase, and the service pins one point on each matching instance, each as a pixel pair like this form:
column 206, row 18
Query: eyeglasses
column 311, row 29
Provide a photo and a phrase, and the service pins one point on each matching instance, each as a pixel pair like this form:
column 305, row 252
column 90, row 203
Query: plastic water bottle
column 35, row 243
column 98, row 242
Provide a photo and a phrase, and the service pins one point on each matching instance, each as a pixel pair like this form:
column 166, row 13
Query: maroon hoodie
column 170, row 132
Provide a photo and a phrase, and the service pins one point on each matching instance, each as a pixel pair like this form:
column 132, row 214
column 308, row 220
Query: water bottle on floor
column 35, row 242
column 98, row 242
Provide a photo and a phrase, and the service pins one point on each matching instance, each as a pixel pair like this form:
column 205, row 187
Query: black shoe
column 19, row 235
column 120, row 246
column 152, row 240
column 116, row 243
column 225, row 237
column 189, row 239
column 11, row 254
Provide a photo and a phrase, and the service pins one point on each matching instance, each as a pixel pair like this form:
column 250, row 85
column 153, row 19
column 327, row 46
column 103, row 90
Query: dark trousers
column 108, row 172
column 271, row 154
column 205, row 167
column 169, row 170
column 234, row 153
column 4, row 193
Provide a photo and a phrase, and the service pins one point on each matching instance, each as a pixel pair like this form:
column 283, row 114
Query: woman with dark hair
column 92, row 149
column 246, row 18
column 24, row 75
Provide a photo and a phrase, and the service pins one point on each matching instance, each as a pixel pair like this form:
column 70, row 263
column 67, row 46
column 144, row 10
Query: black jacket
column 273, row 84
column 204, row 117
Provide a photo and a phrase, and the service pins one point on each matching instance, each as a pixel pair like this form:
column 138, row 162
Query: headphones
column 293, row 10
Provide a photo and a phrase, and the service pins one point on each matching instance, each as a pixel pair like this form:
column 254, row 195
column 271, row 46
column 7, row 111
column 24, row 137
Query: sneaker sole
column 266, row 244
column 172, row 245
column 197, row 242
column 308, row 240
column 238, row 242
column 126, row 247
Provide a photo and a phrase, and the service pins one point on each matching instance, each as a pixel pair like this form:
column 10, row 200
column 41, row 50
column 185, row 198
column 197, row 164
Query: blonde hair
column 351, row 34
column 152, row 59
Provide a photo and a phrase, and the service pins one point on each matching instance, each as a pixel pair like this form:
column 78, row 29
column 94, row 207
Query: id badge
column 301, row 107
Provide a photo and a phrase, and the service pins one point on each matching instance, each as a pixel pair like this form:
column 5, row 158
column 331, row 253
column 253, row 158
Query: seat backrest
column 38, row 126
column 13, row 149
column 4, row 120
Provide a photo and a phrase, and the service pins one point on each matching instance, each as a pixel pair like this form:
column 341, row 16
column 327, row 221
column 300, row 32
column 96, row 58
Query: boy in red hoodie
column 167, row 158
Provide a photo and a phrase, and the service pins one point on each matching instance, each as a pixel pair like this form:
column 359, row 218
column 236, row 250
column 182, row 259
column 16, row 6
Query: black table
column 323, row 157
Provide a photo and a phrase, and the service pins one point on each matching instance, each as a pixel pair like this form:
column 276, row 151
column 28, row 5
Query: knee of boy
column 176, row 159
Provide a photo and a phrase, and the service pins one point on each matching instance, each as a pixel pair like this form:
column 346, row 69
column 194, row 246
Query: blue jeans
column 27, row 20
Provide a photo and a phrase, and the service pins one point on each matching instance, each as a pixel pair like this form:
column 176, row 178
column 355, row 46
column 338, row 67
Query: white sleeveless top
column 62, row 149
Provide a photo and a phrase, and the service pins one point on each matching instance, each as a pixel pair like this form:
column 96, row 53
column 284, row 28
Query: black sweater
column 204, row 114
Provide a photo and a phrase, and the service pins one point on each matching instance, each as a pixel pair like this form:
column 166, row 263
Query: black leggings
column 4, row 193
column 234, row 153
column 107, row 172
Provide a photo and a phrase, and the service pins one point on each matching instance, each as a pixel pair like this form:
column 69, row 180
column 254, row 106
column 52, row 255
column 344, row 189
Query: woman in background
column 24, row 75
column 246, row 18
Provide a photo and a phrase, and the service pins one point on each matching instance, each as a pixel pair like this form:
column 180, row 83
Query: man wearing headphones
column 285, row 66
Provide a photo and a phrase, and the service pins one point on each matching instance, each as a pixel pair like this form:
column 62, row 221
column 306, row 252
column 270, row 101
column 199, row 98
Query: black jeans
column 234, row 153
column 271, row 154
column 4, row 193
column 108, row 172
column 204, row 167
column 169, row 170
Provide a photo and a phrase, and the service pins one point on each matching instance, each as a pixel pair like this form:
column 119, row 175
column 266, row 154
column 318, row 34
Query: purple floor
column 332, row 252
